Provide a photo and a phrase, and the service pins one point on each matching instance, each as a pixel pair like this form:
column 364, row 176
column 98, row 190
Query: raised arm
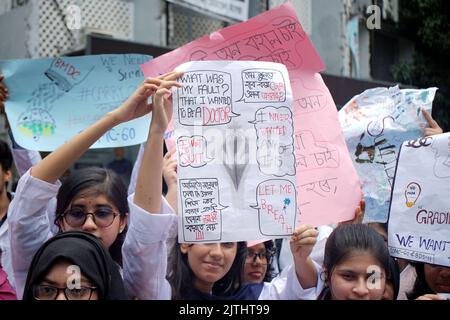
column 151, row 219
column 302, row 243
column 55, row 164
column 28, row 224
column 148, row 186
column 171, row 179
column 298, row 281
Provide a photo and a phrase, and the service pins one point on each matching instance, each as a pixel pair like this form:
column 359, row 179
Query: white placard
column 235, row 146
column 419, row 220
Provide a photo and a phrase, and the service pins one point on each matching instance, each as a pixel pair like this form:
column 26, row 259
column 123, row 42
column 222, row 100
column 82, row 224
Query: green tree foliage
column 427, row 23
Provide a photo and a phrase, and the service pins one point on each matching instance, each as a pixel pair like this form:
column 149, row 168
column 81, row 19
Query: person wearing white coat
column 30, row 225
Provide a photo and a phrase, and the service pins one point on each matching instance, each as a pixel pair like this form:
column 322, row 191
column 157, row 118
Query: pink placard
column 327, row 184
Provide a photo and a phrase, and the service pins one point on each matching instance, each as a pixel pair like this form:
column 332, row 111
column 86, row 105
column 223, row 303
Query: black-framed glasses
column 265, row 257
column 47, row 292
column 103, row 216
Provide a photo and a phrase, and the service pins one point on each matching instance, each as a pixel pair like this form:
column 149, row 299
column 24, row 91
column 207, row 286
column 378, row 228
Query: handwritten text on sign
column 277, row 36
column 235, row 141
column 274, row 130
column 202, row 209
column 419, row 219
column 53, row 99
column 276, row 202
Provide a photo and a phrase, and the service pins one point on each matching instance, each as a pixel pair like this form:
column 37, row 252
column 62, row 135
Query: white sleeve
column 135, row 172
column 25, row 159
column 28, row 223
column 317, row 254
column 287, row 287
column 144, row 252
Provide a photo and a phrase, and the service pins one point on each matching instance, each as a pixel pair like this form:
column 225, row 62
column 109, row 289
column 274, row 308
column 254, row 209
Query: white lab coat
column 29, row 226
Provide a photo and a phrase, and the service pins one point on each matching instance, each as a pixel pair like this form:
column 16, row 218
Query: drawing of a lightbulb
column 412, row 193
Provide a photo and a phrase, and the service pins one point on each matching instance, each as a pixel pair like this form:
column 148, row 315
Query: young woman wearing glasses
column 204, row 271
column 258, row 262
column 92, row 200
column 73, row 266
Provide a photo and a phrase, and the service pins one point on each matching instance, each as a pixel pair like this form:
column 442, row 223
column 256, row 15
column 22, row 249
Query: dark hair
column 6, row 158
column 84, row 250
column 421, row 286
column 394, row 276
column 181, row 276
column 346, row 239
column 271, row 251
column 95, row 181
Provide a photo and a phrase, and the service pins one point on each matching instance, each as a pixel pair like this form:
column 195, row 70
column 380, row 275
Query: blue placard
column 53, row 99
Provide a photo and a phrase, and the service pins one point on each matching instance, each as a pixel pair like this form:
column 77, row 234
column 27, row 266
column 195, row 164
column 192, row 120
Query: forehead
column 433, row 269
column 358, row 262
column 88, row 198
column 62, row 269
column 207, row 246
column 257, row 247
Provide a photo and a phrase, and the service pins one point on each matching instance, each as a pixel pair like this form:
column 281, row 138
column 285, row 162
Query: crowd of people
column 86, row 237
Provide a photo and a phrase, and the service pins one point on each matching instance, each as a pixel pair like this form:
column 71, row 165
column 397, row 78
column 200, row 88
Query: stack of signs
column 375, row 124
column 419, row 219
column 327, row 184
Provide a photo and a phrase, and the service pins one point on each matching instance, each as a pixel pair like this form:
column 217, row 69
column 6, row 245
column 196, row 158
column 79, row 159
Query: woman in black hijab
column 51, row 273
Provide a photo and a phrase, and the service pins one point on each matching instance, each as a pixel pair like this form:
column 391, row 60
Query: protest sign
column 419, row 218
column 327, row 183
column 235, row 146
column 53, row 99
column 375, row 124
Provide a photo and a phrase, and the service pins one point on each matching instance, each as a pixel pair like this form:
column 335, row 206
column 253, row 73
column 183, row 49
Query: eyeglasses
column 47, row 292
column 264, row 257
column 76, row 217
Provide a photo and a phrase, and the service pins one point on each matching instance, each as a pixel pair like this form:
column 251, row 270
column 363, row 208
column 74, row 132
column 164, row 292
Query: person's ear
column 324, row 276
column 123, row 222
column 7, row 175
column 60, row 223
column 184, row 248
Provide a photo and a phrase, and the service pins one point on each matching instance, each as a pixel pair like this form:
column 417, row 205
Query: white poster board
column 419, row 220
column 235, row 146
